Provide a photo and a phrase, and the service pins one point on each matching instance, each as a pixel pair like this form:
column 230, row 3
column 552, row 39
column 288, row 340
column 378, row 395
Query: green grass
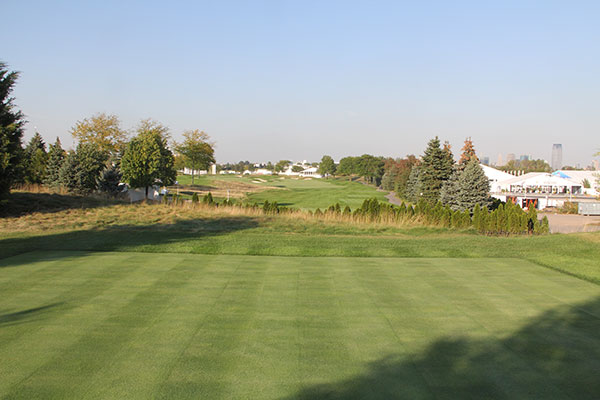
column 307, row 194
column 134, row 325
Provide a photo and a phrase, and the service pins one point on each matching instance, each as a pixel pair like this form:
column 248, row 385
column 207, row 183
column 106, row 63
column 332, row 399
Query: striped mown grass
column 133, row 325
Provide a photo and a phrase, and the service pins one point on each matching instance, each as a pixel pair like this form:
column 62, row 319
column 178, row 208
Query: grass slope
column 159, row 228
column 126, row 325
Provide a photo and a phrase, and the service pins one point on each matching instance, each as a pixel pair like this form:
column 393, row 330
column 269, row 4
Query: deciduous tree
column 147, row 159
column 327, row 166
column 103, row 130
column 197, row 151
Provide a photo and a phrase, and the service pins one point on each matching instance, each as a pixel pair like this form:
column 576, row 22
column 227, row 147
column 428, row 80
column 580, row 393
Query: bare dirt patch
column 237, row 190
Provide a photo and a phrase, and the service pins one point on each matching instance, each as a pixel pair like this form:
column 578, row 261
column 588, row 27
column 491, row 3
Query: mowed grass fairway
column 156, row 325
column 303, row 193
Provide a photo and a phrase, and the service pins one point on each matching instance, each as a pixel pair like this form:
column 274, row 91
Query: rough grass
column 138, row 326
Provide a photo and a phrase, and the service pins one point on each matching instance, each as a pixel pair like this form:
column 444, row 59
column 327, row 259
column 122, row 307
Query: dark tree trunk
column 146, row 192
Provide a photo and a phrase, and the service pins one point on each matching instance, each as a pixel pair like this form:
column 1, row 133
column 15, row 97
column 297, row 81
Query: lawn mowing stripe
column 268, row 360
column 166, row 335
column 58, row 334
column 56, row 296
column 272, row 327
column 372, row 341
column 402, row 306
column 322, row 346
column 440, row 310
column 203, row 366
column 40, row 269
column 521, row 370
column 96, row 352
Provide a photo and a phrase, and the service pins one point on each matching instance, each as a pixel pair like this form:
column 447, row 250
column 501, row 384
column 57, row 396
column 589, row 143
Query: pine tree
column 468, row 153
column 56, row 157
column 80, row 171
column 450, row 190
column 11, row 131
column 34, row 160
column 110, row 180
column 68, row 174
column 436, row 169
column 414, row 185
column 473, row 187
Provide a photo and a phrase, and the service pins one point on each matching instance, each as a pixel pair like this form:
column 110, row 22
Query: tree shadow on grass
column 28, row 315
column 22, row 203
column 151, row 237
column 556, row 355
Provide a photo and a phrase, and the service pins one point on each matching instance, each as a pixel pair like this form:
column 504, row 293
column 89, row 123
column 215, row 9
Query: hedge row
column 504, row 220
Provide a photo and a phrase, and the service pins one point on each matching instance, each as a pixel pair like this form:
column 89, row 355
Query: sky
column 271, row 80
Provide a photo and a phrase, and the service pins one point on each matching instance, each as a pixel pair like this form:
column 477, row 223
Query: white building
column 584, row 178
column 495, row 176
column 538, row 189
column 211, row 170
column 312, row 172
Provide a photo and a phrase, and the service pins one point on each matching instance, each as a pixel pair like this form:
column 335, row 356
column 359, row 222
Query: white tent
column 540, row 182
column 495, row 176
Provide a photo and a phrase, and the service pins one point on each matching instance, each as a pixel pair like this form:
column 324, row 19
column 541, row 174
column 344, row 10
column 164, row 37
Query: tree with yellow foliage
column 102, row 130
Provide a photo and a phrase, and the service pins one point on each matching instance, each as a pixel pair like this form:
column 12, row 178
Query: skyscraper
column 556, row 162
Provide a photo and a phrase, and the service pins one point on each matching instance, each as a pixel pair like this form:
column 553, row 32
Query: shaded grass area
column 160, row 229
column 23, row 203
column 134, row 325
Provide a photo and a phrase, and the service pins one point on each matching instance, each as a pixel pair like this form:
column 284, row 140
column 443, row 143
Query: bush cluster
column 506, row 219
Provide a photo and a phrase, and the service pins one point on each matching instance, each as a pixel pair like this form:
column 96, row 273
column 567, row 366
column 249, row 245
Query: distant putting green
column 134, row 325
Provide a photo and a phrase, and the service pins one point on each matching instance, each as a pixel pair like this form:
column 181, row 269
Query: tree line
column 434, row 177
column 104, row 158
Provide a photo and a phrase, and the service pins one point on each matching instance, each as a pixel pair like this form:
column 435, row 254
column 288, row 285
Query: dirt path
column 570, row 223
column 393, row 199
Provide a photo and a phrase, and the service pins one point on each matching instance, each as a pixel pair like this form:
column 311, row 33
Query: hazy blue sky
column 276, row 79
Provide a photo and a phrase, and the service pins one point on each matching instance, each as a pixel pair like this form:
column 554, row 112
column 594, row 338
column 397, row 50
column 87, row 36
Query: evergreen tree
column 81, row 169
column 414, row 185
column 56, row 156
column 468, row 153
column 110, row 180
column 68, row 174
column 34, row 160
column 473, row 187
column 436, row 169
column 450, row 190
column 11, row 131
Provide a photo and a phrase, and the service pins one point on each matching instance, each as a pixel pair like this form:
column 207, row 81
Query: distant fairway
column 134, row 325
column 304, row 193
